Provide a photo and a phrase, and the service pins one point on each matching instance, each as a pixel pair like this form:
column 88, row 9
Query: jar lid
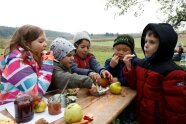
column 23, row 97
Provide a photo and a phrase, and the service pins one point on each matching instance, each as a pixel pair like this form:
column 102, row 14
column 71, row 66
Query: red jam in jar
column 23, row 108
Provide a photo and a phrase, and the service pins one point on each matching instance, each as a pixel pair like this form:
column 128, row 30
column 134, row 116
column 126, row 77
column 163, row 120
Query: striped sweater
column 21, row 73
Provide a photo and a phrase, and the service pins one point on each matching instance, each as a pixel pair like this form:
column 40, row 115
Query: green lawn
column 1, row 51
column 102, row 49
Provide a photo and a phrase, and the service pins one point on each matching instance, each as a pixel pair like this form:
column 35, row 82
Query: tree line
column 7, row 32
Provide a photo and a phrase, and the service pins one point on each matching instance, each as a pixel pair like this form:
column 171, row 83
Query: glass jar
column 23, row 108
column 54, row 106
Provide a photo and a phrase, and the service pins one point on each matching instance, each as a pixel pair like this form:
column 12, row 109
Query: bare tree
column 174, row 10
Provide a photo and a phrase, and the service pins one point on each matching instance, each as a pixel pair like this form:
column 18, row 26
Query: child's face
column 121, row 50
column 38, row 45
column 151, row 45
column 83, row 48
column 68, row 60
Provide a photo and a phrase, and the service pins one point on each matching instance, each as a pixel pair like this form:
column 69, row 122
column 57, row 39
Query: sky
column 73, row 16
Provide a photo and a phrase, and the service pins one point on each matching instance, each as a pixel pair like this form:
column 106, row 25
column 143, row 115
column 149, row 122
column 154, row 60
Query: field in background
column 102, row 49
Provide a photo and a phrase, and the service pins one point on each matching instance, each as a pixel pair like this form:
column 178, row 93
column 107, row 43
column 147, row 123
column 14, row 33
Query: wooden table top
column 104, row 108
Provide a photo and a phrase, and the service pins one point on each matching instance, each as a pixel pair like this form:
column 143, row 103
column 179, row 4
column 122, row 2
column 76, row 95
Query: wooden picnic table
column 104, row 108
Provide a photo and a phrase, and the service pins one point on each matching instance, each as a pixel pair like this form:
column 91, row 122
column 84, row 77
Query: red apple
column 104, row 82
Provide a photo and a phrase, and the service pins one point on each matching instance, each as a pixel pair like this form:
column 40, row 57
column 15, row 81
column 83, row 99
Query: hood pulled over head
column 167, row 40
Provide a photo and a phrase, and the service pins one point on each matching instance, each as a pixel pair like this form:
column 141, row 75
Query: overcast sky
column 72, row 16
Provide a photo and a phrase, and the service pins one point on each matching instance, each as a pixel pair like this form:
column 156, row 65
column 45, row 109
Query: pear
column 115, row 88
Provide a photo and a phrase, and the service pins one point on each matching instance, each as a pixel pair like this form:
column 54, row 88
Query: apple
column 40, row 106
column 73, row 113
column 104, row 82
column 115, row 88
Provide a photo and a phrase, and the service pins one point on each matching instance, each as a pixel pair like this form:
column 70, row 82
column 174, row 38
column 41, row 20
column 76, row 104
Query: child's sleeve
column 22, row 77
column 95, row 66
column 60, row 78
column 109, row 68
column 80, row 71
column 130, row 76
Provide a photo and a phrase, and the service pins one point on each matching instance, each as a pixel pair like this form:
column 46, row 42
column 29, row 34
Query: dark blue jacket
column 117, row 71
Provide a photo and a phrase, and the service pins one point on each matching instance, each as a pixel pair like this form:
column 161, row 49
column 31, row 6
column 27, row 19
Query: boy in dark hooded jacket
column 160, row 83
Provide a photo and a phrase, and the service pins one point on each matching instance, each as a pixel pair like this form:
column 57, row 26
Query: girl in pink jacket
column 24, row 66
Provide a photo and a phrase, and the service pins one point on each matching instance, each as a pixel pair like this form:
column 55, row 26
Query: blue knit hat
column 61, row 47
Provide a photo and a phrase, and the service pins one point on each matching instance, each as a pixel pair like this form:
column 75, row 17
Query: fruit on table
column 115, row 88
column 41, row 121
column 73, row 113
column 88, row 117
column 104, row 82
column 40, row 106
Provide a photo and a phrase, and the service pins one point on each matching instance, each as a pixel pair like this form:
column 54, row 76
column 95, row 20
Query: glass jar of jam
column 54, row 106
column 23, row 108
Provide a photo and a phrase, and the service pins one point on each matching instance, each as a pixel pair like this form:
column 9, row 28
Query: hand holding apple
column 94, row 76
column 106, row 74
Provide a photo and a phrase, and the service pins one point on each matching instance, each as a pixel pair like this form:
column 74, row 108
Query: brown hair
column 151, row 32
column 26, row 33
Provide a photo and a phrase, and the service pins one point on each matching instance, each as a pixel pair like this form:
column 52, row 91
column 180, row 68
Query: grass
column 1, row 51
column 102, row 49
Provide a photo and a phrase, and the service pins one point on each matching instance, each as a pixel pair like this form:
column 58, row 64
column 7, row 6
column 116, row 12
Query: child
column 178, row 52
column 63, row 51
column 85, row 62
column 160, row 83
column 123, row 44
column 24, row 67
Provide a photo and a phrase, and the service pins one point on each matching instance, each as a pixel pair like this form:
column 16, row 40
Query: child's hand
column 93, row 89
column 114, row 79
column 106, row 74
column 114, row 61
column 127, row 61
column 47, row 55
column 94, row 76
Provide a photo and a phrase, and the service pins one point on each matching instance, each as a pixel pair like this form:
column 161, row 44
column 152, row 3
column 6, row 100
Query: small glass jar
column 54, row 106
column 23, row 108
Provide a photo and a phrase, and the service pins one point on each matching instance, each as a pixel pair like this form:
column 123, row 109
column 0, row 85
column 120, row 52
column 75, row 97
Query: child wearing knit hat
column 123, row 45
column 63, row 51
column 85, row 62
